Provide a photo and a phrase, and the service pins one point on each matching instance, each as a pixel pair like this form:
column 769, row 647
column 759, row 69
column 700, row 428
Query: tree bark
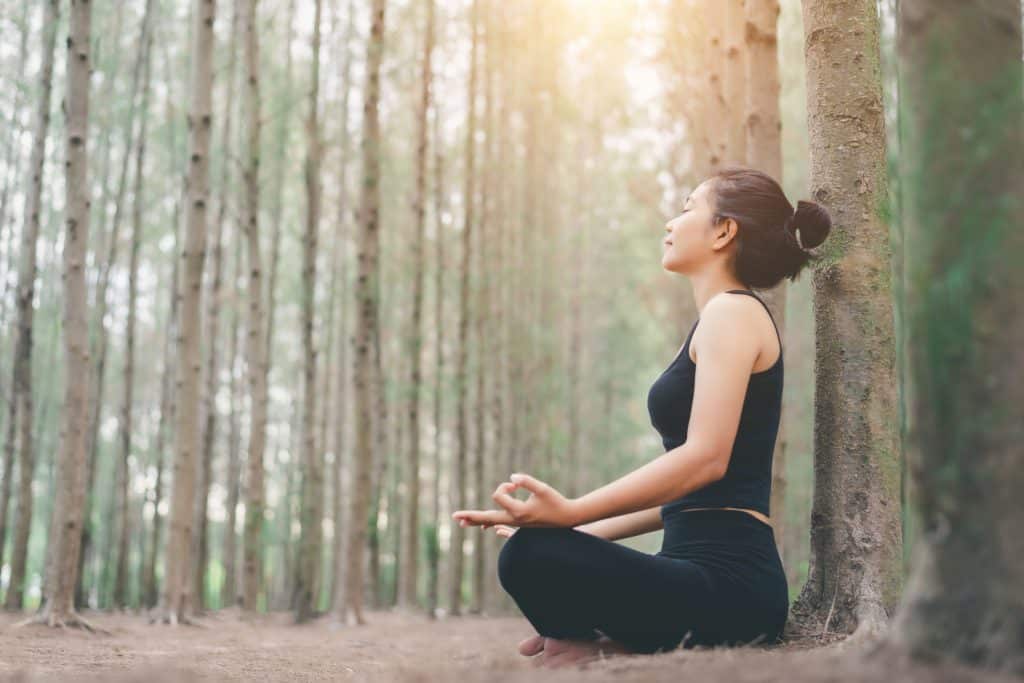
column 460, row 466
column 120, row 592
column 854, row 575
column 176, row 593
column 341, row 408
column 69, row 498
column 366, row 298
column 411, row 529
column 256, row 339
column 962, row 117
column 311, row 540
column 763, row 132
column 21, row 400
column 200, row 546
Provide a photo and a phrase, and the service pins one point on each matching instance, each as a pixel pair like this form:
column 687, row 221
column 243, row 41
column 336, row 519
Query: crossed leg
column 593, row 593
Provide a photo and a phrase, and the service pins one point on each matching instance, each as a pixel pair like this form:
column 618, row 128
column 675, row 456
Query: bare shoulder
column 728, row 320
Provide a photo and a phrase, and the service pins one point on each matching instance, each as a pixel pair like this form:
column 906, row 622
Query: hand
column 545, row 506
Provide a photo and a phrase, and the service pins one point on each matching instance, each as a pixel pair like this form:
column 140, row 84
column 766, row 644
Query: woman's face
column 688, row 240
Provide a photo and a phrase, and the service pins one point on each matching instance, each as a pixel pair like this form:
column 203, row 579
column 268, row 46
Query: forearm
column 625, row 526
column 668, row 477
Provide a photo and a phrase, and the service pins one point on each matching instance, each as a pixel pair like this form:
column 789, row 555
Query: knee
column 517, row 556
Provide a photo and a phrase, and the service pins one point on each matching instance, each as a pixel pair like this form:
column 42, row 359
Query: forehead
column 697, row 195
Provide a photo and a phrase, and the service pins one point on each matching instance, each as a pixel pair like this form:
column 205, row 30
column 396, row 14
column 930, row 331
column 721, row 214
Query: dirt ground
column 403, row 647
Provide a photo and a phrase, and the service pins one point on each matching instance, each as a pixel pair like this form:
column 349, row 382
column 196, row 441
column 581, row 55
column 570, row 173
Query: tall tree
column 21, row 402
column 763, row 134
column 462, row 342
column 854, row 574
column 962, row 116
column 311, row 541
column 367, row 302
column 69, row 492
column 736, row 53
column 212, row 368
column 343, row 386
column 126, row 422
column 186, row 437
column 411, row 528
column 256, row 343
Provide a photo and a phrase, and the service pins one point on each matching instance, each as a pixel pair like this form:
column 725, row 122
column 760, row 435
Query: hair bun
column 813, row 221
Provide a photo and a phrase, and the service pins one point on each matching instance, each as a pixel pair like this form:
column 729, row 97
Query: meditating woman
column 718, row 578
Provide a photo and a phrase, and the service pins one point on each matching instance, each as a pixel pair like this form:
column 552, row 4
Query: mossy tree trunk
column 854, row 575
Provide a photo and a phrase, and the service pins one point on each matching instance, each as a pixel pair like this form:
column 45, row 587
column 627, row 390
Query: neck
column 708, row 285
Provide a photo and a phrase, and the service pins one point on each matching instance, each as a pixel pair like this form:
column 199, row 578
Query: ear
column 725, row 233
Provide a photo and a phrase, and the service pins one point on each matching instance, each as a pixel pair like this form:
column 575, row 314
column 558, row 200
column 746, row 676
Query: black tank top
column 747, row 481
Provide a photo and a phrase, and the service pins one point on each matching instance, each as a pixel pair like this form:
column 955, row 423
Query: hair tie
column 790, row 227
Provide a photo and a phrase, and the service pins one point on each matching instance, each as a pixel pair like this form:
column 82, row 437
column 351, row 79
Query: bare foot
column 532, row 645
column 559, row 653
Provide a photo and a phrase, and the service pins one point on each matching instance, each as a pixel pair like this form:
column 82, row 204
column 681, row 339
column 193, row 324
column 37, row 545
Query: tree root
column 71, row 620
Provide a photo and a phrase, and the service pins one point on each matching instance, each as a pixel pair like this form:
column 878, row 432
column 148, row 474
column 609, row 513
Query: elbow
column 717, row 467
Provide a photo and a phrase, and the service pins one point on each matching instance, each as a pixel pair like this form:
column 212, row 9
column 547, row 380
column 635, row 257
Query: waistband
column 724, row 525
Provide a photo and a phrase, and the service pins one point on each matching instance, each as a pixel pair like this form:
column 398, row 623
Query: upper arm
column 727, row 350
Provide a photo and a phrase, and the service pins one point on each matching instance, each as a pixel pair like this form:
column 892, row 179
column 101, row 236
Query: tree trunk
column 200, row 546
column 229, row 554
column 120, row 593
column 366, row 298
column 763, row 133
column 256, row 340
column 69, row 498
column 410, row 536
column 311, row 541
column 434, row 542
column 962, row 117
column 854, row 574
column 150, row 595
column 718, row 108
column 736, row 77
column 338, row 563
column 21, row 400
column 176, row 594
column 462, row 350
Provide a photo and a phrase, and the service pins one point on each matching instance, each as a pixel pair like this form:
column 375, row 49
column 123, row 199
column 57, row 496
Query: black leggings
column 717, row 580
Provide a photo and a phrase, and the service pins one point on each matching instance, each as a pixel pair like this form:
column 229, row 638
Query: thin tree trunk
column 368, row 303
column 176, row 593
column 125, row 516
column 311, row 541
column 10, row 164
column 763, row 132
column 204, row 472
column 962, row 118
column 69, row 498
column 410, row 537
column 100, row 339
column 168, row 395
column 256, row 339
column 462, row 353
column 434, row 539
column 229, row 554
column 21, row 398
column 855, row 511
column 736, row 77
column 338, row 563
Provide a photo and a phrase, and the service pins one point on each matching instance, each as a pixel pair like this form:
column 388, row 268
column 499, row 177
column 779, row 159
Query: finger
column 529, row 483
column 515, row 507
column 504, row 487
column 479, row 517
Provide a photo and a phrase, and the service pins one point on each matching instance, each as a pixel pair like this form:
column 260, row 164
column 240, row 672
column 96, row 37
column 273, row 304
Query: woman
column 718, row 578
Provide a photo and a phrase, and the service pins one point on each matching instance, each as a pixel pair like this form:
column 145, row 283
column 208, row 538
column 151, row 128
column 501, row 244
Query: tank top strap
column 750, row 293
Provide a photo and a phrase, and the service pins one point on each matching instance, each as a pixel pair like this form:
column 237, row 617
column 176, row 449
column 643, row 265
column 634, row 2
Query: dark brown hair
column 767, row 246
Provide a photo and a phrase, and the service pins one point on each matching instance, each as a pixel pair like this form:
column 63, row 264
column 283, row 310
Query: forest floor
column 394, row 646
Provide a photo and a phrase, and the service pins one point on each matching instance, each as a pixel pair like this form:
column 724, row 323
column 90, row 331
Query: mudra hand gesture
column 545, row 507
